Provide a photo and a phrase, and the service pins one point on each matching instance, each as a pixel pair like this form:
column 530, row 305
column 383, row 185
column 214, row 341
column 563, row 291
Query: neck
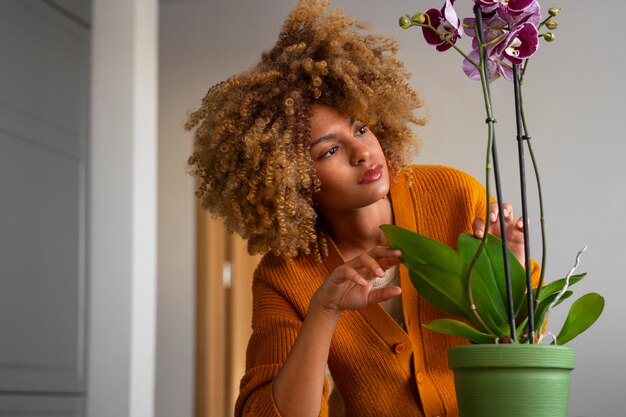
column 358, row 231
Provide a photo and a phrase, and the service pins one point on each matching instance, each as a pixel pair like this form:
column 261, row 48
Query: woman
column 305, row 156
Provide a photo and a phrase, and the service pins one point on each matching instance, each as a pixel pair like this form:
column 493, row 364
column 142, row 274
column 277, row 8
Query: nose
column 359, row 152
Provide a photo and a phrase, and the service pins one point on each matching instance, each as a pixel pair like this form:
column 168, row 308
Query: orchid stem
column 542, row 222
column 491, row 152
column 463, row 54
column 521, row 82
column 544, row 22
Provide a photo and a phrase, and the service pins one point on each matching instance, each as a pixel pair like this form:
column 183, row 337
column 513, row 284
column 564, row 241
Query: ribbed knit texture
column 377, row 367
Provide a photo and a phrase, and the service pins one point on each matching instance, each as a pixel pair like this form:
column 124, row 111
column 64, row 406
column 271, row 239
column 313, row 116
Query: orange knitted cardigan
column 378, row 368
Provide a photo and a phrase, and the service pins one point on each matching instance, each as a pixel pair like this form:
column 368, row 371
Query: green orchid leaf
column 419, row 249
column 438, row 271
column 557, row 285
column 489, row 305
column 491, row 267
column 542, row 308
column 460, row 329
column 427, row 280
column 583, row 313
column 521, row 327
column 439, row 275
column 546, row 296
column 488, row 283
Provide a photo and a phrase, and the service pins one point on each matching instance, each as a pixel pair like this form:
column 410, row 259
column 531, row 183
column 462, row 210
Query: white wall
column 176, row 219
column 122, row 212
column 575, row 100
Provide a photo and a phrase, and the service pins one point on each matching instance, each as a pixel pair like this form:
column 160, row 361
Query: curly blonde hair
column 251, row 152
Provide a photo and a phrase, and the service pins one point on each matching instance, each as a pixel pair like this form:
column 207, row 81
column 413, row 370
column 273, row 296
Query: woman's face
column 348, row 160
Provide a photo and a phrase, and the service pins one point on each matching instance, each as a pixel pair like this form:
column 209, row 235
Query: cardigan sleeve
column 275, row 326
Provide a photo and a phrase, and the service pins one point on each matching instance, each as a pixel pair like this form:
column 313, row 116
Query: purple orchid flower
column 530, row 14
column 495, row 67
column 520, row 43
column 493, row 27
column 511, row 6
column 447, row 25
column 511, row 28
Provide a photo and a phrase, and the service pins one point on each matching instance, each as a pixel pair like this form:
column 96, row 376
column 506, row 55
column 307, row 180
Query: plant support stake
column 521, row 136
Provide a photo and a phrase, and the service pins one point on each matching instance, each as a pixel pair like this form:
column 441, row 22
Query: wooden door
column 224, row 316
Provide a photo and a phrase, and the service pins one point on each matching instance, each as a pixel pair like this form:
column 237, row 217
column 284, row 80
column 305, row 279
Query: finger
column 507, row 216
column 383, row 294
column 493, row 212
column 388, row 262
column 351, row 274
column 380, row 252
column 507, row 210
column 386, row 257
column 367, row 263
column 520, row 223
column 478, row 227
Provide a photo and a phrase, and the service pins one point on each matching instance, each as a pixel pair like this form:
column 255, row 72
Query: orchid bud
column 552, row 25
column 419, row 18
column 553, row 11
column 549, row 37
column 405, row 22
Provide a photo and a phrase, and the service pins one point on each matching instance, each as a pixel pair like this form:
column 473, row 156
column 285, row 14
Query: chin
column 383, row 188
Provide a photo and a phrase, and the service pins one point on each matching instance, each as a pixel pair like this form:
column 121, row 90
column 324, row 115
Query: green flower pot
column 511, row 380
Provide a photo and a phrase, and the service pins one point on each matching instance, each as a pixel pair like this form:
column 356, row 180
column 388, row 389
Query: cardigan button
column 420, row 377
column 399, row 347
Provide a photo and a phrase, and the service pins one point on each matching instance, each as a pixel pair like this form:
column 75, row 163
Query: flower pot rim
column 511, row 356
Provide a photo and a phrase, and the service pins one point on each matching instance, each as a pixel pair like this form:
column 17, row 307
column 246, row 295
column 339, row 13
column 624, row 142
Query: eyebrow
column 322, row 139
column 330, row 136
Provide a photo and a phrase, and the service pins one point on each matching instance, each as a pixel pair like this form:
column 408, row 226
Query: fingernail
column 380, row 272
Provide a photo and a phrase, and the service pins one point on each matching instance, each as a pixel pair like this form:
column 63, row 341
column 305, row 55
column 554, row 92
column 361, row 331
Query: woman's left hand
column 514, row 229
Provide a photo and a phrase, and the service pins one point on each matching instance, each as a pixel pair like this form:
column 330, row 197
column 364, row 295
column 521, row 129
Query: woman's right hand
column 349, row 286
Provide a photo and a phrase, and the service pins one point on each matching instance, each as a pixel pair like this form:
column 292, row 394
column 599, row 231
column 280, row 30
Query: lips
column 373, row 174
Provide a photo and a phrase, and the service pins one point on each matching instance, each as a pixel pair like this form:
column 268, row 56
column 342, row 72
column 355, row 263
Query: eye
column 329, row 152
column 362, row 130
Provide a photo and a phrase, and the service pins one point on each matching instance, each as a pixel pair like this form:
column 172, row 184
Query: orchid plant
column 482, row 282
